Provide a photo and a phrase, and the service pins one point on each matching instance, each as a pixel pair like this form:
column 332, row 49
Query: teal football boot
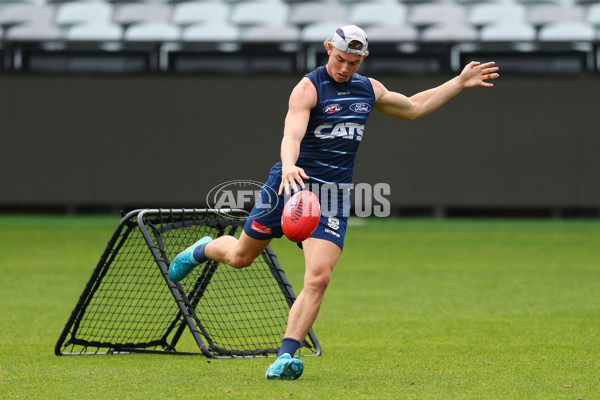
column 285, row 367
column 185, row 262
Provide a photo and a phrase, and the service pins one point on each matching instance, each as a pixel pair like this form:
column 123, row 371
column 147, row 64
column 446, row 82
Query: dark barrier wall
column 166, row 140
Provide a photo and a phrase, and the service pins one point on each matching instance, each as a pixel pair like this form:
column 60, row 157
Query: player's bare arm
column 302, row 100
column 423, row 103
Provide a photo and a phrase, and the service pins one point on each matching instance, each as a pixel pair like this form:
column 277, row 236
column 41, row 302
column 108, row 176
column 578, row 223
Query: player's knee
column 241, row 261
column 317, row 281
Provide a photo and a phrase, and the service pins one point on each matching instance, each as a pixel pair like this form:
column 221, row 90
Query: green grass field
column 424, row 309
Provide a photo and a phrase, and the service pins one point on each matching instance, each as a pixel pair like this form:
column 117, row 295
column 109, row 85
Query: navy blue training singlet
column 327, row 153
column 335, row 128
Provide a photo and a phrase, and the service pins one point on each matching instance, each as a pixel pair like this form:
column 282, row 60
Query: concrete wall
column 148, row 141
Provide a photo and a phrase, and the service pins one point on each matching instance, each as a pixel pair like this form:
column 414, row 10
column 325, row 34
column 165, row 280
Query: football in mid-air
column 300, row 216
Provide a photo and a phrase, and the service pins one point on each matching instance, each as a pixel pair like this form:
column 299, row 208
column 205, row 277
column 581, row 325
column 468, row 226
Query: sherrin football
column 300, row 216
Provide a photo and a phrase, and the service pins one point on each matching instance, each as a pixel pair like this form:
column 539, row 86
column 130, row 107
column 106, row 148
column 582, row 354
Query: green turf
column 424, row 309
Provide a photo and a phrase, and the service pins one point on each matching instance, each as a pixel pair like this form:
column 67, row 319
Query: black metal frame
column 187, row 302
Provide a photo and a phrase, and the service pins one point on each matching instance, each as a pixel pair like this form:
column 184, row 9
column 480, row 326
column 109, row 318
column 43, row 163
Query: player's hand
column 292, row 177
column 475, row 74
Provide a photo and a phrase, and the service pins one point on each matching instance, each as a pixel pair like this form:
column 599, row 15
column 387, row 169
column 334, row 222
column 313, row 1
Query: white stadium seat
column 217, row 32
column 367, row 14
column 271, row 33
column 95, row 31
column 132, row 13
column 84, row 11
column 564, row 31
column 152, row 31
column 487, row 13
column 434, row 13
column 259, row 13
column 451, row 32
column 307, row 13
column 34, row 31
column 19, row 13
column 193, row 12
column 512, row 31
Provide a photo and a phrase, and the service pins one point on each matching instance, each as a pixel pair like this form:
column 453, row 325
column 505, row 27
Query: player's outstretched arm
column 302, row 100
column 419, row 105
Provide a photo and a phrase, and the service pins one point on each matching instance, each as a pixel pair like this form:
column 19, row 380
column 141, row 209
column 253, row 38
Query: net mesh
column 128, row 305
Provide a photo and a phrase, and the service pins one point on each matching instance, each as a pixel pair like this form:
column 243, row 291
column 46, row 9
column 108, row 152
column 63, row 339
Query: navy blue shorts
column 264, row 221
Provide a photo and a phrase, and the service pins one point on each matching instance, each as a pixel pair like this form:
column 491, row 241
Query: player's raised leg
column 320, row 257
column 238, row 253
column 188, row 259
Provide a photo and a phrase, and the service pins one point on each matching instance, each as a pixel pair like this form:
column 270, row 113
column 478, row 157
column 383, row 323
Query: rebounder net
column 130, row 305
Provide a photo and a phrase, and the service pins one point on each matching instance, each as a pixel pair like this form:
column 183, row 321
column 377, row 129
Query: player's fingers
column 490, row 70
column 301, row 182
column 487, row 65
column 284, row 188
column 294, row 187
column 303, row 174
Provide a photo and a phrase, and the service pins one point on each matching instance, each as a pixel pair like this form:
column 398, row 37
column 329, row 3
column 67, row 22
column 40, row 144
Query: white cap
column 346, row 34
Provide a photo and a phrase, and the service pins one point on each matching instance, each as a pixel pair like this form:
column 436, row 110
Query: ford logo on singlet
column 361, row 108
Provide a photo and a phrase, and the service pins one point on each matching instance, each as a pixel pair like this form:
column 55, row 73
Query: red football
column 300, row 216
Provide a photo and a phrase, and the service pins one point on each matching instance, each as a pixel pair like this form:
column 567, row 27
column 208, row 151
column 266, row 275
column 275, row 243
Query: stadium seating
column 131, row 13
column 211, row 32
column 307, row 13
column 566, row 31
column 511, row 31
column 449, row 32
column 259, row 13
column 193, row 12
column 409, row 24
column 152, row 31
column 94, row 31
column 19, row 13
column 79, row 12
column 483, row 14
column 377, row 14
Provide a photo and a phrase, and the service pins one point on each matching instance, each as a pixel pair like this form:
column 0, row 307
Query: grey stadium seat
column 84, row 11
column 512, row 31
column 33, row 31
column 567, row 31
column 434, row 13
column 593, row 15
column 487, row 13
column 132, row 13
column 212, row 32
column 192, row 12
column 451, row 32
column 320, row 31
column 95, row 31
column 271, row 33
column 544, row 14
column 259, row 13
column 19, row 13
column 152, row 31
column 391, row 34
column 368, row 14
column 307, row 13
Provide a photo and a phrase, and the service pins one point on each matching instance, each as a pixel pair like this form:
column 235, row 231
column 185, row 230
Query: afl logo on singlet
column 332, row 109
column 363, row 108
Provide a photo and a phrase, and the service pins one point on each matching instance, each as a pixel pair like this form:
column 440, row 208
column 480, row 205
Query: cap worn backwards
column 349, row 33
